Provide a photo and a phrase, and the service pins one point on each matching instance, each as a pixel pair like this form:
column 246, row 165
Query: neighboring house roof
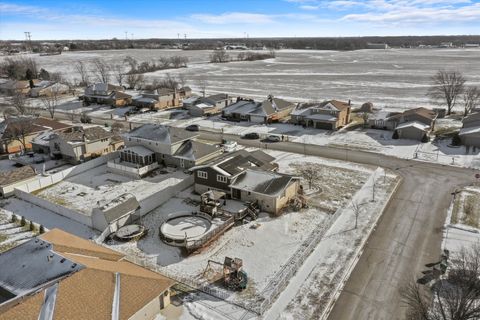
column 139, row 150
column 413, row 124
column 271, row 106
column 472, row 120
column 319, row 111
column 245, row 107
column 43, row 138
column 29, row 125
column 469, row 130
column 160, row 133
column 85, row 291
column 193, row 150
column 85, row 134
column 101, row 88
column 16, row 175
column 204, row 105
column 218, row 97
column 17, row 84
column 322, row 117
column 191, row 100
column 118, row 95
column 264, row 182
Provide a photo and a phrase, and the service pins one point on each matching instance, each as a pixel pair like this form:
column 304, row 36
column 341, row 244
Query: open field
column 397, row 78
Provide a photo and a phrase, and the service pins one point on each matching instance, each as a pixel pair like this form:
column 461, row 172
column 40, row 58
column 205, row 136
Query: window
column 202, row 174
column 221, row 178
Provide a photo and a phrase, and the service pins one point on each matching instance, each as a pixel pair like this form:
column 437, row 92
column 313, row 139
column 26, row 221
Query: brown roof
column 340, row 105
column 28, row 309
column 64, row 242
column 90, row 134
column 29, row 125
column 424, row 112
column 15, row 175
column 51, row 124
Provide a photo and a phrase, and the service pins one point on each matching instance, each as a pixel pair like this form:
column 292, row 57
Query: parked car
column 273, row 138
column 251, row 136
column 229, row 146
column 192, row 127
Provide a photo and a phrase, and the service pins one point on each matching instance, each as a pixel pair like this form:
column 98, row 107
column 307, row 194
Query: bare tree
column 219, row 56
column 50, row 101
column 447, row 87
column 365, row 117
column 19, row 102
column 308, row 171
column 471, row 99
column 134, row 80
column 8, row 112
column 82, row 70
column 118, row 127
column 102, row 70
column 356, row 207
column 202, row 84
column 448, row 296
column 118, row 73
column 19, row 129
column 181, row 80
column 132, row 63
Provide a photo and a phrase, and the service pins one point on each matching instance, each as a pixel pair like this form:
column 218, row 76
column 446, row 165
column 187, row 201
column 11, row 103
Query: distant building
column 270, row 110
column 12, row 87
column 106, row 93
column 328, row 115
column 204, row 106
column 377, row 46
column 48, row 88
column 61, row 276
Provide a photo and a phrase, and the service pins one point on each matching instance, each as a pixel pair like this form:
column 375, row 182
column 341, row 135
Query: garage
column 324, row 125
column 412, row 130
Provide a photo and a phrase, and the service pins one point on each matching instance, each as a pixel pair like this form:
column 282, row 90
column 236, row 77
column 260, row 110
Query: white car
column 230, row 146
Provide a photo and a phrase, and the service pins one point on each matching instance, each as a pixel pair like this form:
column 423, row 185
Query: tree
column 19, row 128
column 450, row 296
column 456, row 141
column 202, row 84
column 471, row 99
column 50, row 100
column 395, row 135
column 102, row 70
column 8, row 112
column 118, row 73
column 134, row 80
column 219, row 56
column 356, row 211
column 447, row 87
column 132, row 63
column 83, row 72
column 365, row 117
column 19, row 102
column 117, row 127
column 308, row 171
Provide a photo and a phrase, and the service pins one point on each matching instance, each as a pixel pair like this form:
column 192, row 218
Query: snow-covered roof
column 161, row 134
column 204, row 105
column 263, row 182
column 413, row 124
column 470, row 130
column 193, row 150
column 323, row 117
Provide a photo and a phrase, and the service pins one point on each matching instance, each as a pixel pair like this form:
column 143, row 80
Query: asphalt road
column 408, row 235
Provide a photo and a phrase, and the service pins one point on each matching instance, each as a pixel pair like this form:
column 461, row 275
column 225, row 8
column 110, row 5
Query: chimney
column 349, row 102
column 226, row 100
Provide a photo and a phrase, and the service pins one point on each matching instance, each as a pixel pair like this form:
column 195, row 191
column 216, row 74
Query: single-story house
column 203, row 106
column 48, row 88
column 57, row 275
column 166, row 98
column 271, row 190
column 412, row 124
column 328, row 115
column 9, row 179
column 79, row 144
column 12, row 87
column 270, row 110
column 184, row 92
column 17, row 133
column 470, row 132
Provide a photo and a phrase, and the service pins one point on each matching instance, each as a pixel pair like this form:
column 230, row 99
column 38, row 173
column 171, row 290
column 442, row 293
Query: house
column 17, row 133
column 12, row 87
column 115, row 214
column 413, row 124
column 270, row 110
column 271, row 190
column 328, row 115
column 61, row 276
column 470, row 132
column 48, row 88
column 105, row 93
column 221, row 173
column 165, row 98
column 249, row 177
column 185, row 92
column 150, row 145
column 205, row 106
column 11, row 178
column 79, row 144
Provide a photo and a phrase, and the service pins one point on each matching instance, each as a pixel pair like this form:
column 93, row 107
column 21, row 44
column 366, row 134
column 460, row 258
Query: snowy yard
column 96, row 187
column 274, row 241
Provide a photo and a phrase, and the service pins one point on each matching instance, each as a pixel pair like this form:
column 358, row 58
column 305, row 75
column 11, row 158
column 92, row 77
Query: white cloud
column 234, row 18
column 309, row 7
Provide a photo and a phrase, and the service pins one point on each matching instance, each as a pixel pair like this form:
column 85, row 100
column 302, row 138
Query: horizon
column 188, row 19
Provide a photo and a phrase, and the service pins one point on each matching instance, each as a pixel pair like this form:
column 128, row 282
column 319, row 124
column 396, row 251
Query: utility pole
column 28, row 39
column 131, row 35
column 126, row 35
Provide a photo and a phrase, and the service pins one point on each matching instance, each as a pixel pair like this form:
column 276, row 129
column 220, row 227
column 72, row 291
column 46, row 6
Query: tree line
column 221, row 56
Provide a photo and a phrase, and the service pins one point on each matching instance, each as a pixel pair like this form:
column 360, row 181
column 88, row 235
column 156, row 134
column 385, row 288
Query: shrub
column 456, row 140
column 23, row 222
column 395, row 134
column 14, row 218
column 425, row 138
column 42, row 229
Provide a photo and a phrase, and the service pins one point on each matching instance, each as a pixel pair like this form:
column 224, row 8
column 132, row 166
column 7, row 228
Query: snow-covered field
column 97, row 187
column 397, row 78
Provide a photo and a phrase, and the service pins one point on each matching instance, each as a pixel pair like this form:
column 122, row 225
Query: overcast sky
column 47, row 19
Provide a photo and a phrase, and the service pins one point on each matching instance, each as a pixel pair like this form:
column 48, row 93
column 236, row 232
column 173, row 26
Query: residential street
column 408, row 236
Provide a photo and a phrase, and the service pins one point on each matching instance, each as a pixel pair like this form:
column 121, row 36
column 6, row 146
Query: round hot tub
column 130, row 232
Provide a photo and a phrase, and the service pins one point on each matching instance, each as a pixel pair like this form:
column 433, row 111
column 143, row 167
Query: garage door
column 323, row 125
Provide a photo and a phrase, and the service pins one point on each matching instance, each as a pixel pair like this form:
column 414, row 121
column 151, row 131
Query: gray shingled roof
column 90, row 134
column 30, row 265
column 193, row 150
column 264, row 182
column 160, row 133
column 120, row 206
